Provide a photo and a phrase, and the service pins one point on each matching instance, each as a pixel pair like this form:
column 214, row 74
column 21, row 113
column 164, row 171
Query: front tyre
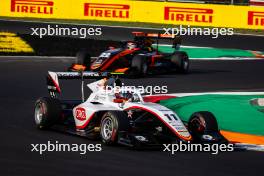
column 181, row 60
column 112, row 123
column 47, row 112
column 139, row 66
column 203, row 127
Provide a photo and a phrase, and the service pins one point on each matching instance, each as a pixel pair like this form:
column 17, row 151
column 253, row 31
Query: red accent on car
column 118, row 100
column 55, row 84
column 138, row 33
column 86, row 123
column 80, row 114
column 113, row 135
column 154, row 58
column 157, row 98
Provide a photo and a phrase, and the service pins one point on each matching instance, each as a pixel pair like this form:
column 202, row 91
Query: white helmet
column 131, row 45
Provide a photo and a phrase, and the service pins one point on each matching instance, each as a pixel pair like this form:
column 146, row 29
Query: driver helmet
column 124, row 95
column 131, row 45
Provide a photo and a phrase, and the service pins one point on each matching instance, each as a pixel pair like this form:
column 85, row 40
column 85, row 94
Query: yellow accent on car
column 11, row 43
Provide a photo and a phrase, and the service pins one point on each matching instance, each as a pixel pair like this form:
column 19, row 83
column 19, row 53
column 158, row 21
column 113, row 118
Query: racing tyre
column 181, row 60
column 139, row 66
column 204, row 128
column 112, row 123
column 47, row 112
column 83, row 58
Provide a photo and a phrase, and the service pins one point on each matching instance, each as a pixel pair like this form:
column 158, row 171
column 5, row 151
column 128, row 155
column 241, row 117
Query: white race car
column 120, row 115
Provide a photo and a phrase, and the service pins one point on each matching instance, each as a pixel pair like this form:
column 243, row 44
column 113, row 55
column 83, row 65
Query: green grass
column 127, row 24
column 233, row 112
column 209, row 52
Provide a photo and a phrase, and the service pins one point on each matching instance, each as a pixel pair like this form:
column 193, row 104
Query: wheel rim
column 107, row 128
column 145, row 68
column 39, row 111
column 185, row 64
column 197, row 125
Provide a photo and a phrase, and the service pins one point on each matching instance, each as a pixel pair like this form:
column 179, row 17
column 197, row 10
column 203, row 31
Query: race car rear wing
column 77, row 75
column 53, row 79
column 152, row 35
column 176, row 39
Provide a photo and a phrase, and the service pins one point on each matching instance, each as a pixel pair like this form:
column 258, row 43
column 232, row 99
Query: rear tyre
column 181, row 60
column 83, row 58
column 139, row 66
column 47, row 112
column 203, row 127
column 112, row 123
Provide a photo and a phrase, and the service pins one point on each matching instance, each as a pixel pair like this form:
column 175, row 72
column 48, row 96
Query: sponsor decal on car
column 255, row 18
column 76, row 74
column 32, row 6
column 80, row 114
column 106, row 10
column 198, row 15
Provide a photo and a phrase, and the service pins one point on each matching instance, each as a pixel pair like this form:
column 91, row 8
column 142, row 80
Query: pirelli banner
column 251, row 17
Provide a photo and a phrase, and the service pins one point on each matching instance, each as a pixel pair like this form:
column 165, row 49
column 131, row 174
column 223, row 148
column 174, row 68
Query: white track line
column 217, row 58
column 185, row 46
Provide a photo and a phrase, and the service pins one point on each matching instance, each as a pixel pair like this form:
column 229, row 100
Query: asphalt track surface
column 23, row 81
column 247, row 42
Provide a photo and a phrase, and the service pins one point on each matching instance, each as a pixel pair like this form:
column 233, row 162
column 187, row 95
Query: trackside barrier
column 249, row 17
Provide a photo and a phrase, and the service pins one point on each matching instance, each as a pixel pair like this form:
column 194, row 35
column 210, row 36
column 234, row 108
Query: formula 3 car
column 136, row 58
column 120, row 116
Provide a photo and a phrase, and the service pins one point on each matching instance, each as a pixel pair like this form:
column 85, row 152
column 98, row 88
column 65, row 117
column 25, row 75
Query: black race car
column 137, row 57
